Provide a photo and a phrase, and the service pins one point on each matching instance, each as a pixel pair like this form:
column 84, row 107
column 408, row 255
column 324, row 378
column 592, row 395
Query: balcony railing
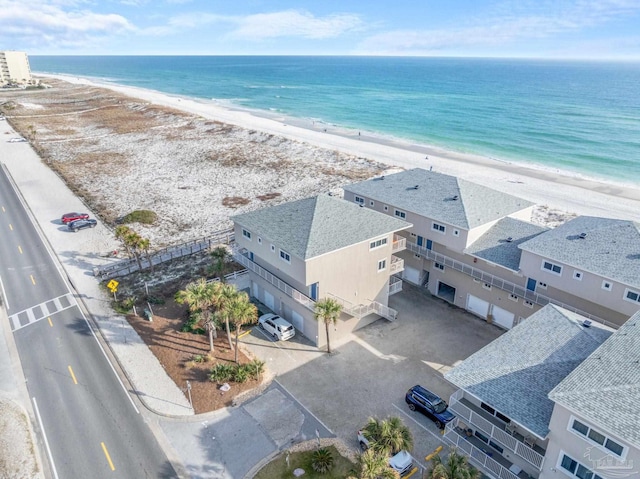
column 477, row 456
column 399, row 243
column 500, row 283
column 397, row 265
column 274, row 280
column 395, row 285
column 362, row 310
column 471, row 417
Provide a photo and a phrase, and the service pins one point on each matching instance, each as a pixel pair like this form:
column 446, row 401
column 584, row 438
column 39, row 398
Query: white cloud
column 511, row 22
column 48, row 23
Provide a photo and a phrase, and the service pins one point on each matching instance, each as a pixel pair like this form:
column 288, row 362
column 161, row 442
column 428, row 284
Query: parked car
column 69, row 217
column 81, row 224
column 276, row 326
column 402, row 462
column 430, row 404
column 17, row 140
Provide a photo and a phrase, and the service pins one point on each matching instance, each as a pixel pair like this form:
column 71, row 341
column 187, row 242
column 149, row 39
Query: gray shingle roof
column 611, row 248
column 313, row 226
column 515, row 373
column 495, row 246
column 605, row 388
column 474, row 205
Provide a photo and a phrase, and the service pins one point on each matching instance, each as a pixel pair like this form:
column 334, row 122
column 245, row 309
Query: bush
column 255, row 368
column 222, row 372
column 239, row 373
column 146, row 217
column 192, row 324
column 125, row 305
column 322, row 461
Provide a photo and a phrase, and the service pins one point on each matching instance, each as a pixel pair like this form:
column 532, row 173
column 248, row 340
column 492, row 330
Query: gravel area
column 17, row 456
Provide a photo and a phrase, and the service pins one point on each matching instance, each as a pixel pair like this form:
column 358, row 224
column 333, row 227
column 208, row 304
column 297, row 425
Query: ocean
column 579, row 117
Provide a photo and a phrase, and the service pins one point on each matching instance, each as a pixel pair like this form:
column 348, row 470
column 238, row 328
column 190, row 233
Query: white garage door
column 411, row 274
column 502, row 317
column 298, row 321
column 269, row 301
column 478, row 306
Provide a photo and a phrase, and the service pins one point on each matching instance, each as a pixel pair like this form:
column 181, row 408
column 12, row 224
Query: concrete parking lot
column 369, row 373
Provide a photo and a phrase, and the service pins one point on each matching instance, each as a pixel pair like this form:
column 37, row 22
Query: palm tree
column 200, row 296
column 223, row 294
column 242, row 311
column 145, row 244
column 374, row 465
column 220, row 257
column 327, row 310
column 388, row 436
column 122, row 232
column 456, row 467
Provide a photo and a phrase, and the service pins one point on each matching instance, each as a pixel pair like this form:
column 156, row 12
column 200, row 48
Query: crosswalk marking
column 43, row 311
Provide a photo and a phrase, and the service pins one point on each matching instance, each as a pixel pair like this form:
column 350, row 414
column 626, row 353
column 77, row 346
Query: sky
column 576, row 29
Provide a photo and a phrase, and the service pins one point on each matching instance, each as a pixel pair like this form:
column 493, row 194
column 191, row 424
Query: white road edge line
column 437, row 436
column 44, row 435
column 108, row 361
column 4, row 294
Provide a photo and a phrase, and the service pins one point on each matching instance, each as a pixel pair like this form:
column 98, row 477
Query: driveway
column 369, row 373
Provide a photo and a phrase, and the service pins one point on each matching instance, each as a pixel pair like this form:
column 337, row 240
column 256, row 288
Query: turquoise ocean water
column 580, row 117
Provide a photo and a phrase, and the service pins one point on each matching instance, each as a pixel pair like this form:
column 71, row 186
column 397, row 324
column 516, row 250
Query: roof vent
column 454, row 197
column 586, row 323
column 582, row 235
column 509, row 239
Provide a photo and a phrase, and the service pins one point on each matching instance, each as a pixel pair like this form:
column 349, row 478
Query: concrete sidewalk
column 48, row 197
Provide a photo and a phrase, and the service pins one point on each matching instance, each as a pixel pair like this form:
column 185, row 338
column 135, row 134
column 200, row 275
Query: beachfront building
column 14, row 68
column 502, row 406
column 475, row 247
column 321, row 247
column 554, row 397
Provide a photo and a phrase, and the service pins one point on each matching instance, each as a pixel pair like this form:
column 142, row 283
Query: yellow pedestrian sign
column 113, row 285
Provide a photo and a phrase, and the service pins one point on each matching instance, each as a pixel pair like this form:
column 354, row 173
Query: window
column 400, row 214
column 438, row 227
column 554, row 268
column 606, row 285
column 596, row 437
column 481, row 436
column 284, row 256
column 246, row 234
column 528, row 304
column 382, row 265
column 513, row 297
column 378, row 243
column 456, row 232
column 574, row 468
column 488, row 408
column 486, row 286
column 359, row 200
column 502, row 417
column 371, row 203
column 438, row 266
column 632, row 296
column 498, row 448
column 577, row 275
column 542, row 285
column 273, row 248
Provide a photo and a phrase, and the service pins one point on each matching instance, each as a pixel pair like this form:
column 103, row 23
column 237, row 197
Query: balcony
column 240, row 257
column 397, row 265
column 362, row 310
column 485, row 458
column 495, row 429
column 395, row 285
column 399, row 244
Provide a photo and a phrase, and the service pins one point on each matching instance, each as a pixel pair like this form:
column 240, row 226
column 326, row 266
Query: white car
column 17, row 140
column 276, row 326
column 402, row 462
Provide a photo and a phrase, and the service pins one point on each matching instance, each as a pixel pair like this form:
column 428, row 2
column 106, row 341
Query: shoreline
column 545, row 188
column 531, row 169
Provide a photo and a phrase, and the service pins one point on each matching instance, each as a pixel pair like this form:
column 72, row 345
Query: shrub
column 146, row 217
column 322, row 461
column 125, row 305
column 255, row 368
column 241, row 374
column 192, row 324
column 221, row 373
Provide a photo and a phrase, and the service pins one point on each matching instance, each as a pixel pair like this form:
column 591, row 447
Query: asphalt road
column 89, row 425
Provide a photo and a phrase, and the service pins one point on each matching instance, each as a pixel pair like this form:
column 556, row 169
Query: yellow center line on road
column 50, row 322
column 20, row 249
column 106, row 453
column 33, row 280
column 73, row 376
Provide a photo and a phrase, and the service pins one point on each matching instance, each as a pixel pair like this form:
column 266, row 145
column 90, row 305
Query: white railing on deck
column 397, row 265
column 362, row 310
column 473, row 418
column 395, row 285
column 399, row 243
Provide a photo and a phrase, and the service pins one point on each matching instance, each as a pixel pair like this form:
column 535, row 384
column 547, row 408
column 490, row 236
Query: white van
column 276, row 327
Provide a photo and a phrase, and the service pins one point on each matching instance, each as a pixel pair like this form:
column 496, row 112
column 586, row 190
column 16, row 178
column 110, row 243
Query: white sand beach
column 556, row 190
